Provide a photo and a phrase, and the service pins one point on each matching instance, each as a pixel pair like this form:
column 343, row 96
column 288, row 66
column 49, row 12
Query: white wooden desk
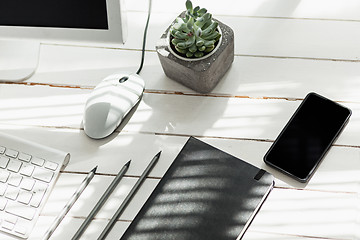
column 284, row 49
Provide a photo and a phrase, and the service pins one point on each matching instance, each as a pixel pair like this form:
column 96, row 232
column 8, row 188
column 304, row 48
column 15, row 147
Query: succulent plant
column 196, row 34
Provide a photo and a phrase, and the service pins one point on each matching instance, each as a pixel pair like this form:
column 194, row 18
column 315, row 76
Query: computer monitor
column 26, row 23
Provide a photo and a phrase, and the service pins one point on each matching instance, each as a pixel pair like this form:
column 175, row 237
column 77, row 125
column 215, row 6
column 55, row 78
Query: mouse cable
column 144, row 39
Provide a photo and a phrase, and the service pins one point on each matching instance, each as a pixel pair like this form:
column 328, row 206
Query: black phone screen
column 307, row 136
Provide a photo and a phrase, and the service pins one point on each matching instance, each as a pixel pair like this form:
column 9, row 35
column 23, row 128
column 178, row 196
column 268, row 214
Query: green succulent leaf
column 198, row 54
column 200, row 42
column 186, row 44
column 207, row 24
column 179, row 20
column 209, row 49
column 210, row 29
column 209, row 43
column 180, row 35
column 183, row 51
column 190, row 24
column 198, row 32
column 218, row 37
column 189, row 6
column 189, row 54
column 175, row 41
column 181, row 46
column 184, row 28
column 202, row 11
column 202, row 48
column 212, row 36
column 206, row 32
column 173, row 31
column 203, row 19
column 193, row 48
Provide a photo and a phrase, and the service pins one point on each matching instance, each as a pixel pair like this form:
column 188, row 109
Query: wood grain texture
column 248, row 76
column 305, row 9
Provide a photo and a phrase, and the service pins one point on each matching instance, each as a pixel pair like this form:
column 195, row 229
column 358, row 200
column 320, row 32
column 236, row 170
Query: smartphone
column 304, row 141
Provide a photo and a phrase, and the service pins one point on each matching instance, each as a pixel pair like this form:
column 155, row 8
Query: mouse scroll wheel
column 123, row 79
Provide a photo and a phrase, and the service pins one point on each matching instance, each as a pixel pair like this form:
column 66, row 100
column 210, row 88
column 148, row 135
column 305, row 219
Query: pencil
column 102, row 200
column 137, row 185
column 70, row 203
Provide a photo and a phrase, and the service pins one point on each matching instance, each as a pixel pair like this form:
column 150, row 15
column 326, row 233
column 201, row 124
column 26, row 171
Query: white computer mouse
column 111, row 100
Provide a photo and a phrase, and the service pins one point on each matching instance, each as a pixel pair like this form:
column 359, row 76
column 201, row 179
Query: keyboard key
column 25, row 157
column 38, row 193
column 4, row 175
column 24, row 197
column 27, row 169
column 11, row 153
column 2, row 149
column 11, row 192
column 27, row 184
column 3, row 203
column 51, row 165
column 15, row 179
column 3, row 187
column 19, row 228
column 38, row 161
column 43, row 174
column 20, row 210
column 3, row 161
column 22, row 226
column 7, row 225
column 10, row 218
column 14, row 165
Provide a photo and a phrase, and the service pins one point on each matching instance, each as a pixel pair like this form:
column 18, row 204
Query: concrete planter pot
column 202, row 74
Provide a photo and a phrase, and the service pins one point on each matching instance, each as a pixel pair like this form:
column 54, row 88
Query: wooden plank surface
column 249, row 75
column 231, row 117
column 313, row 9
column 298, row 212
column 339, row 172
column 295, row 38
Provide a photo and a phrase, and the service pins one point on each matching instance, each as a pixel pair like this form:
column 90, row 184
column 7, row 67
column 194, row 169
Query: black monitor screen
column 87, row 14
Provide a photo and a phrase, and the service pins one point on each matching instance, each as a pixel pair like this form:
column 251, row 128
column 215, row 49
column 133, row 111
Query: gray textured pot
column 200, row 75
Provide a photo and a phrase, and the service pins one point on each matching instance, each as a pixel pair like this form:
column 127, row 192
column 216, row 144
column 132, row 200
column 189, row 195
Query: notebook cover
column 205, row 194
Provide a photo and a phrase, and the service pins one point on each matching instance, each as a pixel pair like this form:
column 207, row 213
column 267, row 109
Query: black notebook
column 206, row 194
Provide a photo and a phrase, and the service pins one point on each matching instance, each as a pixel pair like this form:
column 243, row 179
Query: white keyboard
column 28, row 172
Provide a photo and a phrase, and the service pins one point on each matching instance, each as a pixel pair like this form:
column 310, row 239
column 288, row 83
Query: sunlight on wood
column 55, row 105
column 307, row 212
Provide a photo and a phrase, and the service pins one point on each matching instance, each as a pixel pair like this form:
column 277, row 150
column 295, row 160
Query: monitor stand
column 18, row 59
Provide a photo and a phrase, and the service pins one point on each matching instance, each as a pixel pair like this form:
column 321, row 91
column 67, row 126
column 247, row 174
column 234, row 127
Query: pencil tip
column 128, row 163
column 157, row 156
column 94, row 169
